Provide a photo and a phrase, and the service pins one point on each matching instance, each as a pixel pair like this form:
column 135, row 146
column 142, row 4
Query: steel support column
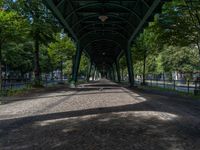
column 76, row 63
column 118, row 70
column 89, row 71
column 129, row 65
column 113, row 73
column 93, row 72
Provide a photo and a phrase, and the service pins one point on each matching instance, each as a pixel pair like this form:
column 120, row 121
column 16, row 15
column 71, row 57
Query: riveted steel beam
column 145, row 18
column 50, row 4
column 94, row 31
column 106, row 28
column 104, row 4
column 109, row 15
column 97, row 40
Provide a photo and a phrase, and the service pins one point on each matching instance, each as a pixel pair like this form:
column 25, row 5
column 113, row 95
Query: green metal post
column 129, row 65
column 76, row 64
column 110, row 74
column 93, row 73
column 89, row 71
column 113, row 73
column 118, row 71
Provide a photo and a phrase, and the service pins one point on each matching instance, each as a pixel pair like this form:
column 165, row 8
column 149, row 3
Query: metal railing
column 176, row 85
column 17, row 84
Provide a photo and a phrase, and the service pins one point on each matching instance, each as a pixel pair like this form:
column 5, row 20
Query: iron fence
column 176, row 85
column 17, row 84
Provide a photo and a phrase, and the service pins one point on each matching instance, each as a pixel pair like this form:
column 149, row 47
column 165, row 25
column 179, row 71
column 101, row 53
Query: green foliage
column 11, row 27
column 84, row 65
column 181, row 59
column 19, row 57
column 168, row 43
column 62, row 49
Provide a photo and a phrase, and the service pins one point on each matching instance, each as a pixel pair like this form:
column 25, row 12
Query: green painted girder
column 98, row 23
column 97, row 40
column 51, row 6
column 92, row 37
column 116, row 32
column 109, row 15
column 112, row 30
column 105, row 4
column 145, row 18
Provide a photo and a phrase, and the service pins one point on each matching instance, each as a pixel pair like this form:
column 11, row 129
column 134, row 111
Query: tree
column 19, row 57
column 123, row 66
column 144, row 46
column 11, row 29
column 182, row 59
column 83, row 69
column 61, row 51
column 42, row 26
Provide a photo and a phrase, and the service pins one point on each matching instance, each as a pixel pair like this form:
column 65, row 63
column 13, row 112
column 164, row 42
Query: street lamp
column 103, row 18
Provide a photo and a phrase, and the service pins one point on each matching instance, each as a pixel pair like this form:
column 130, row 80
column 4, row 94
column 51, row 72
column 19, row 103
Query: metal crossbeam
column 145, row 18
column 52, row 7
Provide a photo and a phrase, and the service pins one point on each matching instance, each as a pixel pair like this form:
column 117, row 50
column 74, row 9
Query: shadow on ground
column 117, row 128
column 146, row 125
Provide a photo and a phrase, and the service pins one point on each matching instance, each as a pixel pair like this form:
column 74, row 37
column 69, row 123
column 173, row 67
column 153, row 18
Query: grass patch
column 166, row 90
column 15, row 92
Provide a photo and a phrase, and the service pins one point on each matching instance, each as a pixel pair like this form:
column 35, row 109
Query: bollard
column 174, row 85
column 188, row 86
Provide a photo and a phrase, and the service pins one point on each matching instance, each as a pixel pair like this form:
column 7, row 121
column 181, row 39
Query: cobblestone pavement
column 99, row 116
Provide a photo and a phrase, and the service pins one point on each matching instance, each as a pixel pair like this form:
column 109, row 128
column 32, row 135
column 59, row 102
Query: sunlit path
column 99, row 116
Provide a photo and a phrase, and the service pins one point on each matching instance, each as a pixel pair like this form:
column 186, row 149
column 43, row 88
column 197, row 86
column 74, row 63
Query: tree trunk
column 144, row 70
column 122, row 74
column 199, row 54
column 61, row 70
column 0, row 68
column 37, row 64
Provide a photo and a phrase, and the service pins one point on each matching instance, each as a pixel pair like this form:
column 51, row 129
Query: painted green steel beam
column 129, row 65
column 145, row 18
column 84, row 35
column 124, row 1
column 76, row 63
column 111, row 15
column 89, row 71
column 92, row 25
column 97, row 40
column 52, row 6
column 118, row 70
column 60, row 3
column 104, row 4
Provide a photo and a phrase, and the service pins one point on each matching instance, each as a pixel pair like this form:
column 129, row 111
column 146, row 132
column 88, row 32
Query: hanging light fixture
column 103, row 18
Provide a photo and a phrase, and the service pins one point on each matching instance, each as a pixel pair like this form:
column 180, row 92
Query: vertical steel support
column 118, row 70
column 93, row 73
column 110, row 74
column 113, row 73
column 129, row 65
column 76, row 63
column 89, row 71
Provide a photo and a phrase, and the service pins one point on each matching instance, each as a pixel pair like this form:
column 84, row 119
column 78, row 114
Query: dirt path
column 100, row 116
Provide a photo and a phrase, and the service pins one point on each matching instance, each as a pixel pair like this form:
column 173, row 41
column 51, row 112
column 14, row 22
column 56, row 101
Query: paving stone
column 99, row 116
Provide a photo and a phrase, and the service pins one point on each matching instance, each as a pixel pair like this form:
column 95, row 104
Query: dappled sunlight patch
column 141, row 98
column 53, row 121
column 60, row 120
column 125, row 130
column 164, row 116
column 67, row 130
column 135, row 95
column 106, row 117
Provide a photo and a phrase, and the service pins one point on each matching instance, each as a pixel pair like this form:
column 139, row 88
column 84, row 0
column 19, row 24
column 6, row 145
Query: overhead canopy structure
column 104, row 28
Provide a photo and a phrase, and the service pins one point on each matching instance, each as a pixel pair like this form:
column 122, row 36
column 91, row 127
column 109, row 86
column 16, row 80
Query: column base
column 72, row 84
